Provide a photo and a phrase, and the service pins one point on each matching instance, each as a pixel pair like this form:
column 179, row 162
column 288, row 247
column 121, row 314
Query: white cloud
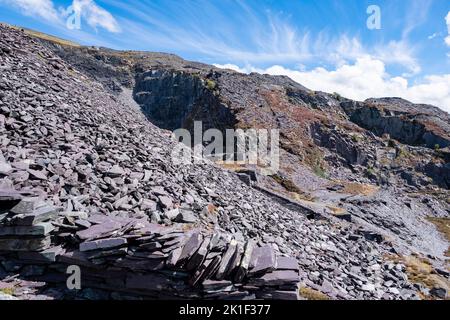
column 432, row 36
column 447, row 19
column 251, row 36
column 35, row 8
column 366, row 78
column 95, row 15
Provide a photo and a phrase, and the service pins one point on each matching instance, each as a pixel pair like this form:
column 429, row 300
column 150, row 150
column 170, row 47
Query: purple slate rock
column 8, row 195
column 286, row 295
column 199, row 256
column 99, row 230
column 236, row 260
column 100, row 219
column 141, row 265
column 226, row 260
column 154, row 229
column 210, row 269
column 148, row 282
column 49, row 255
column 279, row 295
column 83, row 223
column 24, row 244
column 166, row 202
column 199, row 272
column 31, row 211
column 39, row 175
column 150, row 246
column 76, row 258
column 287, row 263
column 212, row 285
column 102, row 244
column 245, row 262
column 263, row 260
column 114, row 252
column 277, row 278
column 41, row 214
column 171, row 233
column 27, row 205
column 172, row 260
column 190, row 247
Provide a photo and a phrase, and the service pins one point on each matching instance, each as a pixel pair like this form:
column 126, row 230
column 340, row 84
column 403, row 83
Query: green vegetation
column 437, row 147
column 403, row 153
column 337, row 96
column 210, row 84
column 320, row 171
column 370, row 172
column 8, row 291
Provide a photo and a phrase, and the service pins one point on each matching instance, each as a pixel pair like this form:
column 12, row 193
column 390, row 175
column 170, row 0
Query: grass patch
column 403, row 153
column 319, row 171
column 311, row 294
column 370, row 172
column 235, row 166
column 301, row 196
column 210, row 84
column 7, row 291
column 294, row 192
column 337, row 211
column 289, row 185
column 359, row 188
column 47, row 37
column 420, row 270
column 356, row 138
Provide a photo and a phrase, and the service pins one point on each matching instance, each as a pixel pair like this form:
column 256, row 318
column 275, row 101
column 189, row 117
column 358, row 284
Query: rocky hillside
column 359, row 209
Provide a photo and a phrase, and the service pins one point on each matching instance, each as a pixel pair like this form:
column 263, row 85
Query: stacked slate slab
column 25, row 222
column 129, row 256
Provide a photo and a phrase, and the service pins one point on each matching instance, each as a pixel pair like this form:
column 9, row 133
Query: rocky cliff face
column 173, row 100
column 419, row 125
column 86, row 179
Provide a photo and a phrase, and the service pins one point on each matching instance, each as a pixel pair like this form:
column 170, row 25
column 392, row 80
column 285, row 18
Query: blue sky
column 326, row 45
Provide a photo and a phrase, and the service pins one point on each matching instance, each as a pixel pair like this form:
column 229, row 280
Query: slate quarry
column 87, row 180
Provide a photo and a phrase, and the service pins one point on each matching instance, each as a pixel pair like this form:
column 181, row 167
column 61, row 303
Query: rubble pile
column 87, row 180
column 139, row 257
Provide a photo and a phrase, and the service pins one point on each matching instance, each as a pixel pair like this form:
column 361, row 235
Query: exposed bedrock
column 440, row 173
column 343, row 147
column 174, row 100
column 408, row 127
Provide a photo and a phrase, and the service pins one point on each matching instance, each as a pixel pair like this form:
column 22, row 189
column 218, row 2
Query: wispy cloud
column 43, row 9
column 416, row 15
column 249, row 36
column 94, row 15
column 447, row 20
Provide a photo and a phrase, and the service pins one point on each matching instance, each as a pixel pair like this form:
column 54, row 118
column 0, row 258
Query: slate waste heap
column 86, row 180
column 139, row 257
